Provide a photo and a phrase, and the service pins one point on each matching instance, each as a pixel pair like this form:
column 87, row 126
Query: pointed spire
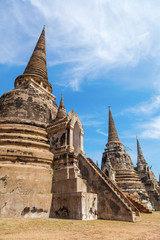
column 112, row 133
column 37, row 62
column 140, row 157
column 36, row 67
column 61, row 105
column 61, row 110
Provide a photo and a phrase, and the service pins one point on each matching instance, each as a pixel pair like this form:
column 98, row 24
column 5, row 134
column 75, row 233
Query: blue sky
column 100, row 53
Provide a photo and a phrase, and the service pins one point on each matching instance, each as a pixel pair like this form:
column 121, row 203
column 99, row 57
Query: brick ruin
column 137, row 182
column 148, row 178
column 43, row 168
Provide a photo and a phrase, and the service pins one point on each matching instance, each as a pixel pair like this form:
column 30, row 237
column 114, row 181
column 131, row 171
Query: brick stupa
column 118, row 165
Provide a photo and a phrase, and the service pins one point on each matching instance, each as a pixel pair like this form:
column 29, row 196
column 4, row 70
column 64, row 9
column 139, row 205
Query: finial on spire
column 112, row 133
column 140, row 157
column 61, row 105
column 61, row 110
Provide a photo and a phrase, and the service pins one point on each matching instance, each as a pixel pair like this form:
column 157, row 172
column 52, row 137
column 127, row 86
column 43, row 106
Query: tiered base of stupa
column 117, row 160
column 129, row 181
column 25, row 171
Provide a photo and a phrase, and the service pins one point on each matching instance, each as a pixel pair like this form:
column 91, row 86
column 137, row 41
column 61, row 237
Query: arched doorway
column 106, row 172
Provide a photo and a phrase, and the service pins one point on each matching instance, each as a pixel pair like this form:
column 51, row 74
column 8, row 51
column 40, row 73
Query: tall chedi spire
column 61, row 110
column 37, row 67
column 118, row 165
column 112, row 132
column 140, row 158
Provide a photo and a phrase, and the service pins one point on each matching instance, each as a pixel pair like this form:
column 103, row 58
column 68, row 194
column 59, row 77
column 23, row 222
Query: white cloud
column 145, row 108
column 90, row 120
column 151, row 129
column 91, row 123
column 127, row 135
column 147, row 122
column 90, row 36
column 101, row 132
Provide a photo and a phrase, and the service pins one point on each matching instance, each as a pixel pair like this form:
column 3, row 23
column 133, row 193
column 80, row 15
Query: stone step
column 142, row 208
column 127, row 178
column 129, row 175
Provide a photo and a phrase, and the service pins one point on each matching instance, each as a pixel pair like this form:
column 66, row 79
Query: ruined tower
column 25, row 158
column 148, row 178
column 81, row 190
column 141, row 162
column 43, row 168
column 117, row 164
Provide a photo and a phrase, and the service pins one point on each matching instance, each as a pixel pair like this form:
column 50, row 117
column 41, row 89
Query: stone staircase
column 122, row 197
column 141, row 207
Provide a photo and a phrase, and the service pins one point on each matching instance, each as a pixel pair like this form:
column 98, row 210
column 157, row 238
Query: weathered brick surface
column 27, row 104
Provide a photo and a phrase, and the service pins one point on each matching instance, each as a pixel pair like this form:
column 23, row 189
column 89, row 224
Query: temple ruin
column 148, row 178
column 43, row 168
column 139, row 182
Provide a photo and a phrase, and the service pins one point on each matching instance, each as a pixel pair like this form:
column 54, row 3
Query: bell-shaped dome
column 28, row 104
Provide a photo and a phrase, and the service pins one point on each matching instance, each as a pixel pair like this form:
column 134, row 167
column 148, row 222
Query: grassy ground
column 56, row 229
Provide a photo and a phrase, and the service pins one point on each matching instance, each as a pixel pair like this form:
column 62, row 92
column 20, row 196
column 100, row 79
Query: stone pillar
column 81, row 141
column 66, row 137
column 71, row 138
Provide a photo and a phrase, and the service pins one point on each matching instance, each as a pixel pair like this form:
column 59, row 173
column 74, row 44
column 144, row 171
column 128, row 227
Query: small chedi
column 43, row 168
column 139, row 182
column 148, row 178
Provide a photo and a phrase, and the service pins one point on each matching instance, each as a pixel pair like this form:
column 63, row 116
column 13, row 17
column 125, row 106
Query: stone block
column 25, row 205
column 25, row 190
column 81, row 206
